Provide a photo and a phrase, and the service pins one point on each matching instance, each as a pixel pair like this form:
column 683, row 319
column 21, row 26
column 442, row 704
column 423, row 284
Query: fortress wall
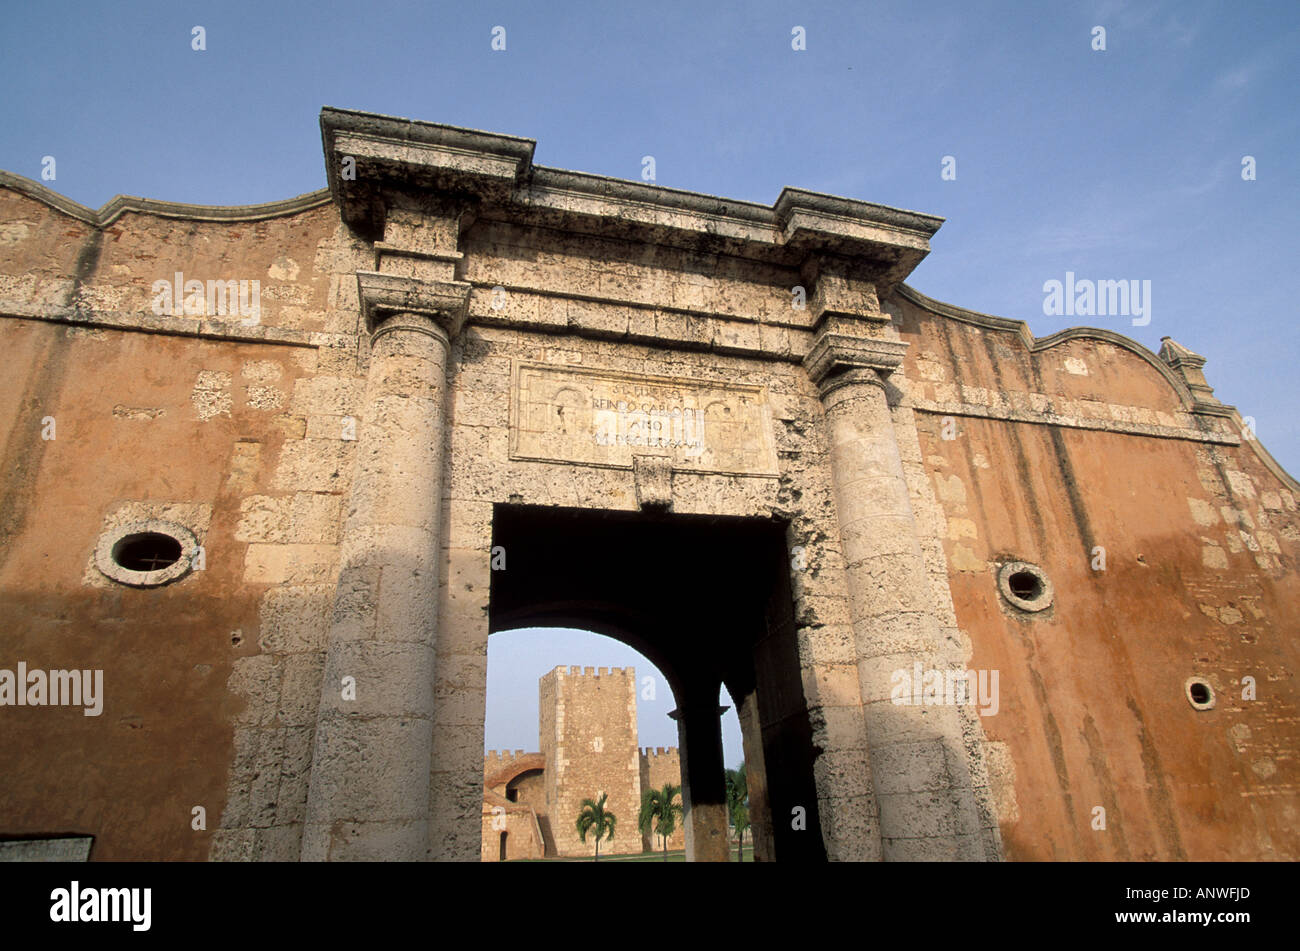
column 660, row 765
column 238, row 440
column 1201, row 545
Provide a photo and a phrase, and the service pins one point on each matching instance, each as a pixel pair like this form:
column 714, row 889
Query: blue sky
column 518, row 659
column 1117, row 164
column 1122, row 164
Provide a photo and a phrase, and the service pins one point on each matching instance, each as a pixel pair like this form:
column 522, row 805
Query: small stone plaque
column 601, row 418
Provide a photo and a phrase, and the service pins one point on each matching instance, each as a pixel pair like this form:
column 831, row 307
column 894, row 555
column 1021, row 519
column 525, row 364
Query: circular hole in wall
column 1199, row 694
column 1025, row 586
column 146, row 554
column 147, row 551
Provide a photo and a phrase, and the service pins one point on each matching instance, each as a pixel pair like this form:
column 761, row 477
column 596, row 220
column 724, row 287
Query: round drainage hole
column 147, row 551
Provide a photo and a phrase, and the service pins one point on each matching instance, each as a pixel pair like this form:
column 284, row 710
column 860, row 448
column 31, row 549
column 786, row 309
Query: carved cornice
column 891, row 241
column 1178, row 356
column 1189, row 365
column 495, row 173
column 390, row 155
column 382, row 295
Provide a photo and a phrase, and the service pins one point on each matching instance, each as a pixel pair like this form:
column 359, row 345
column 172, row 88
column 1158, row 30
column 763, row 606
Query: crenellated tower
column 588, row 735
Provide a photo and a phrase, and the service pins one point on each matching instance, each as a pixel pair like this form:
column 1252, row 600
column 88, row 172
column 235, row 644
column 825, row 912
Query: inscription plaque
column 604, row 418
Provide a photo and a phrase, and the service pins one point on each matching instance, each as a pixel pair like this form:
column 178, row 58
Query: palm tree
column 657, row 806
column 738, row 806
column 594, row 816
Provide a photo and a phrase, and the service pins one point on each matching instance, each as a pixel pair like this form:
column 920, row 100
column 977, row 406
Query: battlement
column 500, row 756
column 570, row 671
column 658, row 751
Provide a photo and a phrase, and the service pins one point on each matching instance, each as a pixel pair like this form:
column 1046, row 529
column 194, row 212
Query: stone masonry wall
column 243, row 431
column 1172, row 550
column 593, row 751
column 660, row 766
column 517, row 822
column 228, row 426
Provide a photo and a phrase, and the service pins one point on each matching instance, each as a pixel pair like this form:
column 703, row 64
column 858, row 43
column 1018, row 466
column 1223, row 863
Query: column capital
column 856, row 376
column 833, row 353
column 411, row 323
column 384, row 295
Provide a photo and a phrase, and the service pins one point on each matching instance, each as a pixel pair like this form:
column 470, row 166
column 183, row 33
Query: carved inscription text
column 599, row 418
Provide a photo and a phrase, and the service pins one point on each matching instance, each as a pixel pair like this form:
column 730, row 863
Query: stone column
column 918, row 760
column 760, row 810
column 368, row 796
column 704, row 781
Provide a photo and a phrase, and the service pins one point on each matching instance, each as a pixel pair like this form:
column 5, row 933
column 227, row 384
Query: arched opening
column 707, row 601
column 567, row 713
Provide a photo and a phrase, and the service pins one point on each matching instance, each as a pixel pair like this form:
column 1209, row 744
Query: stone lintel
column 385, row 294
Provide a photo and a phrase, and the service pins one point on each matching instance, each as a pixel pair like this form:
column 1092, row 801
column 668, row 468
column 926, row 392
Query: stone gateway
column 728, row 434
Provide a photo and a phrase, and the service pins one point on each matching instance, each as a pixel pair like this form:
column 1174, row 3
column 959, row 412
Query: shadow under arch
column 707, row 600
column 603, row 618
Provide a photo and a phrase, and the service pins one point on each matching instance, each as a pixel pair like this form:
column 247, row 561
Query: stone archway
column 507, row 776
column 704, row 599
column 535, row 340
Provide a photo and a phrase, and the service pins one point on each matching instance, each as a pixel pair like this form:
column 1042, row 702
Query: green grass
column 673, row 856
